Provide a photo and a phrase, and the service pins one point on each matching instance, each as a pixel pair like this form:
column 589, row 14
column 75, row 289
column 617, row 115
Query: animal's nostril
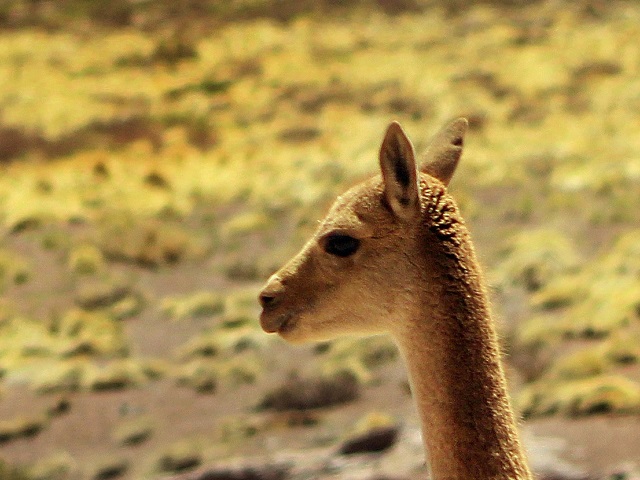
column 271, row 294
column 267, row 300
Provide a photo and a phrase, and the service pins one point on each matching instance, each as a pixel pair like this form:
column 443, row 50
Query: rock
column 260, row 472
column 377, row 439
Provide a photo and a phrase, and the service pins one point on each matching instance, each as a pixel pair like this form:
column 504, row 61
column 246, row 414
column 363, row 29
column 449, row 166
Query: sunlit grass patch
column 134, row 431
column 82, row 374
column 205, row 375
column 85, row 259
column 81, row 333
column 539, row 332
column 241, row 309
column 358, row 357
column 14, row 269
column 563, row 291
column 586, row 362
column 594, row 300
column 237, row 429
column 117, row 375
column 534, row 258
column 102, row 293
column 612, row 302
column 21, row 337
column 595, row 307
column 600, row 297
column 194, row 305
column 602, row 393
column 203, row 368
column 244, row 223
column 180, row 456
column 63, row 376
column 60, row 465
column 623, row 346
column 148, row 242
column 21, row 427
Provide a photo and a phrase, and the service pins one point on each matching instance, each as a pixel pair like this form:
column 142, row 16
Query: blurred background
column 160, row 159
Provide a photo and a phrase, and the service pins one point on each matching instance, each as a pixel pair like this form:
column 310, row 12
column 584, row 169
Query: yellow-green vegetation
column 80, row 374
column 357, row 356
column 88, row 333
column 8, row 472
column 592, row 301
column 25, row 340
column 115, row 298
column 117, row 375
column 86, row 259
column 58, row 466
column 372, row 420
column 236, row 429
column 597, row 394
column 14, row 270
column 199, row 374
column 194, row 305
column 534, row 258
column 60, row 355
column 148, row 242
column 598, row 305
column 62, row 376
column 20, row 427
column 180, row 456
column 289, row 121
column 228, row 351
column 134, row 431
column 230, row 356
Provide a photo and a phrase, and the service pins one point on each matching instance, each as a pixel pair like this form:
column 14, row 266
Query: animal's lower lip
column 280, row 324
column 267, row 325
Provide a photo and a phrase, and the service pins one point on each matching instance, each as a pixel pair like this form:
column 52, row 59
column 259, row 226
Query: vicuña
column 394, row 256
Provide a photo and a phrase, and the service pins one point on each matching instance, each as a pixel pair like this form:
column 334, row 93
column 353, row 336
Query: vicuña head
column 393, row 256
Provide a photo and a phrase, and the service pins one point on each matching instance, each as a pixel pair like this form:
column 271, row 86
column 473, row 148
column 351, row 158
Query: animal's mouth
column 288, row 324
column 280, row 324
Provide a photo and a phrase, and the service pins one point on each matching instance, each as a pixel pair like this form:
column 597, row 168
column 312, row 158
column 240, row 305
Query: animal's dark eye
column 341, row 245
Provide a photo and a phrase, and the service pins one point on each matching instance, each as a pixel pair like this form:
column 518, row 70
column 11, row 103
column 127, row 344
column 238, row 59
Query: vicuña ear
column 444, row 151
column 399, row 172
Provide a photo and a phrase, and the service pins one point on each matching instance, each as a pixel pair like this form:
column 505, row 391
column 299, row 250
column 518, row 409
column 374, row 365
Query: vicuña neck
column 457, row 379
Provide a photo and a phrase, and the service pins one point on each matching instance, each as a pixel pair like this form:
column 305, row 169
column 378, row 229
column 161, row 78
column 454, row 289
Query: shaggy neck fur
column 453, row 359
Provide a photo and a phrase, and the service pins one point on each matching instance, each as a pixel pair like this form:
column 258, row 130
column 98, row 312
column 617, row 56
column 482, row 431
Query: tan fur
column 415, row 276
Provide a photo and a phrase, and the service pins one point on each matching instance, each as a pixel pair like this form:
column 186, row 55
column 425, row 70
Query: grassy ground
column 155, row 172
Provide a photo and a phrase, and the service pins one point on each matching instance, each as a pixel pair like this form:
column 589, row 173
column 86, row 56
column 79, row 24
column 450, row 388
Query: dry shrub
column 85, row 259
column 180, row 457
column 64, row 376
column 199, row 374
column 21, row 427
column 134, row 432
column 303, row 394
column 116, row 375
column 109, row 468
